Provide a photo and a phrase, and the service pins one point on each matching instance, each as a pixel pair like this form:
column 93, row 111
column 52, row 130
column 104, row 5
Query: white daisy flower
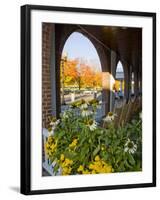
column 92, row 124
column 110, row 117
column 57, row 122
column 84, row 106
column 130, row 147
column 95, row 103
column 107, row 119
column 86, row 113
column 54, row 123
column 65, row 115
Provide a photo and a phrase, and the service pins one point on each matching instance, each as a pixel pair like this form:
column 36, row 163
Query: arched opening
column 119, row 86
column 80, row 73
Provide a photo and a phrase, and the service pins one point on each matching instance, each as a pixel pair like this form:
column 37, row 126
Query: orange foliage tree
column 70, row 72
column 81, row 75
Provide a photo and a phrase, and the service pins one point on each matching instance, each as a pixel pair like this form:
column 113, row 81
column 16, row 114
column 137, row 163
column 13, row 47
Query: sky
column 79, row 46
column 119, row 67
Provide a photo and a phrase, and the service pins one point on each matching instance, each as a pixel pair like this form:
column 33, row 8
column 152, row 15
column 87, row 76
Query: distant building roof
column 119, row 75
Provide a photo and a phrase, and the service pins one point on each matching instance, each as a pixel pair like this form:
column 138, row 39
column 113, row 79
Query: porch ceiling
column 125, row 41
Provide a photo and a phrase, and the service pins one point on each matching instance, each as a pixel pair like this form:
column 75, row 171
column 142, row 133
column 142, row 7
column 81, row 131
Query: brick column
column 46, row 75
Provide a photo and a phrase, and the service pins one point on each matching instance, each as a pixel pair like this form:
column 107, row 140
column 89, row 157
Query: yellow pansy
column 62, row 157
column 100, row 166
column 50, row 139
column 97, row 158
column 93, row 172
column 68, row 161
column 50, row 146
column 80, row 169
column 91, row 166
column 53, row 147
column 66, row 170
column 73, row 144
column 85, row 171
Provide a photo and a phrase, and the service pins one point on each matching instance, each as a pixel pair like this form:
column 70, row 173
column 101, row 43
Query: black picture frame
column 26, row 86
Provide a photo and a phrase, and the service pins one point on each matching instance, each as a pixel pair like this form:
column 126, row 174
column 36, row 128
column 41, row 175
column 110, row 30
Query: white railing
column 47, row 165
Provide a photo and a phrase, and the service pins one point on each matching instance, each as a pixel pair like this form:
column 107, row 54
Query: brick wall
column 46, row 75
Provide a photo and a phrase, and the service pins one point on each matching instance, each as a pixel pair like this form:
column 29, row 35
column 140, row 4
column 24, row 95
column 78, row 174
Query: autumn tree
column 79, row 74
column 98, row 79
column 70, row 72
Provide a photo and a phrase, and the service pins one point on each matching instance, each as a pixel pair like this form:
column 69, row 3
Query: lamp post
column 63, row 61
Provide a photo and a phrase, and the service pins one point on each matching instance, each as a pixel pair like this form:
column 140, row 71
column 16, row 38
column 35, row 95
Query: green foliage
column 77, row 140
